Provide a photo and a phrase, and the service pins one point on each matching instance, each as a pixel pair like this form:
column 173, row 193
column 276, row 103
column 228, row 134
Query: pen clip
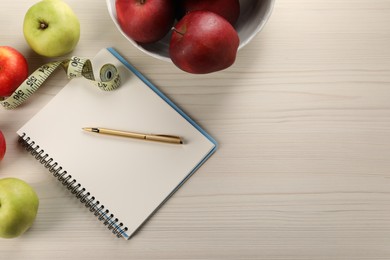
column 170, row 136
column 165, row 138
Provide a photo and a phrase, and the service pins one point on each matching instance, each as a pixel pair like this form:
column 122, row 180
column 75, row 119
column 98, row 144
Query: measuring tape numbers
column 74, row 67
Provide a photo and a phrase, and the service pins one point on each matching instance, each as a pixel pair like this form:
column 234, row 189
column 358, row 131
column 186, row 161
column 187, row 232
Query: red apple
column 13, row 70
column 229, row 9
column 203, row 42
column 145, row 21
column 2, row 146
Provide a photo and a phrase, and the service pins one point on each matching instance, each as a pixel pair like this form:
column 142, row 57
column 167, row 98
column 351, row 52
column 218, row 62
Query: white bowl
column 253, row 16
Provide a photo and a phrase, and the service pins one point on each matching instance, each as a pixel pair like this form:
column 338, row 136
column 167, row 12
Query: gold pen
column 152, row 137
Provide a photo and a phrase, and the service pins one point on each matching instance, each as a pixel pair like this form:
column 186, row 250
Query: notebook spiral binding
column 99, row 210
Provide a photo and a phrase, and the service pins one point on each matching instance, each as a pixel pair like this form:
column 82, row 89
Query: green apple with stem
column 51, row 28
column 18, row 207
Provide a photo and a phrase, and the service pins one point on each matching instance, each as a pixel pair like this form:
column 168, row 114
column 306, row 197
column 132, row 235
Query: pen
column 152, row 137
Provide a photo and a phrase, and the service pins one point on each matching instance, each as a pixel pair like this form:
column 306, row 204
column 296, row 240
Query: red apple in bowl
column 203, row 42
column 229, row 9
column 2, row 146
column 13, row 70
column 145, row 21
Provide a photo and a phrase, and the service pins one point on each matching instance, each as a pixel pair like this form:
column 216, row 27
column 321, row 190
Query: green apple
column 18, row 207
column 51, row 28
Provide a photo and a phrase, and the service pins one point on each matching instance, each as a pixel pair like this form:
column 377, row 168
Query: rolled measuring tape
column 74, row 67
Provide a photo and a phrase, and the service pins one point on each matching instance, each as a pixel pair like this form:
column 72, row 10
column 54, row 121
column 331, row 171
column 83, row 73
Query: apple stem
column 175, row 30
column 43, row 25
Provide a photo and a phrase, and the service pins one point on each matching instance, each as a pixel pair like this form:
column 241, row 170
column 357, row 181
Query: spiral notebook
column 122, row 181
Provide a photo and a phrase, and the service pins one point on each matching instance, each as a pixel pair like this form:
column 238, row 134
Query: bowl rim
column 260, row 26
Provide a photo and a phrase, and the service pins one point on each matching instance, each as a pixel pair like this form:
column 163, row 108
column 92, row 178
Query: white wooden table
column 303, row 123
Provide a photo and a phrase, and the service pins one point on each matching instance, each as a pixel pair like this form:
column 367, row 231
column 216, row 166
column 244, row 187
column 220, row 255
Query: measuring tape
column 74, row 67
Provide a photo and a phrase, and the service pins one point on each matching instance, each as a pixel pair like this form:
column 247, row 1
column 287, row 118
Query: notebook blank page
column 130, row 177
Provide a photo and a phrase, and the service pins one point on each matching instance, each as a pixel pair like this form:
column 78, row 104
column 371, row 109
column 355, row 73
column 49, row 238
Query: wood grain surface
column 303, row 125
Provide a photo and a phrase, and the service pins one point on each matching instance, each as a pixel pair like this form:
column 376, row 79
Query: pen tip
column 91, row 129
